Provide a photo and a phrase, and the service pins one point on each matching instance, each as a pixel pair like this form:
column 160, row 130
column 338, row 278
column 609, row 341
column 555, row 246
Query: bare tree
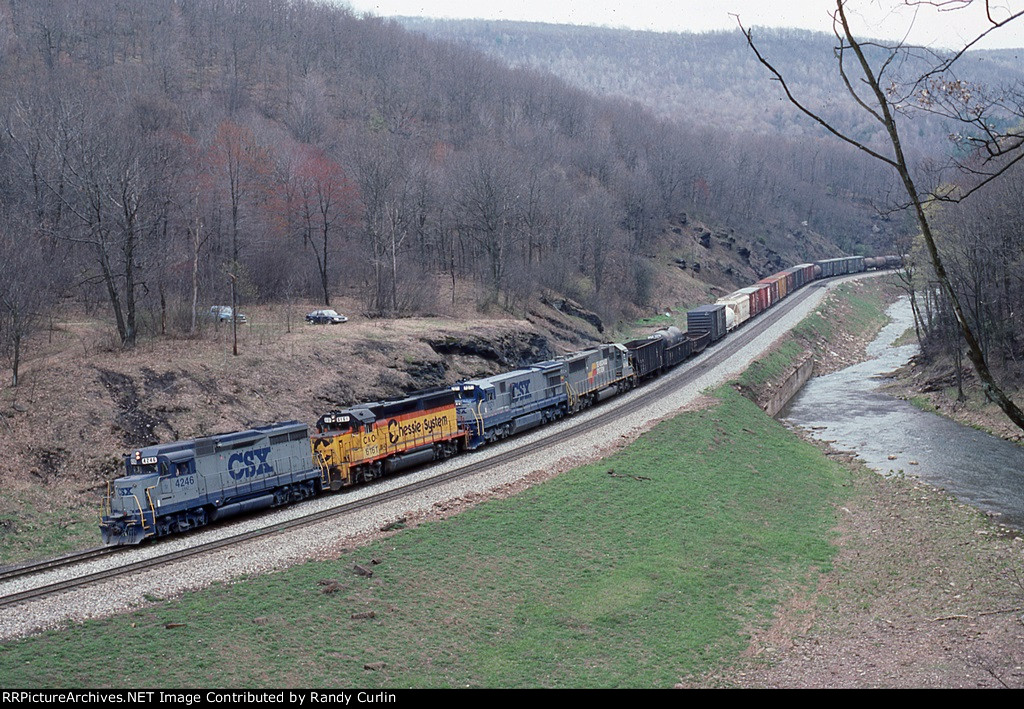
column 104, row 186
column 240, row 165
column 869, row 83
column 488, row 193
column 324, row 200
column 28, row 273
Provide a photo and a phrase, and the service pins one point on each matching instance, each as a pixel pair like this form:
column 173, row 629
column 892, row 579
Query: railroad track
column 8, row 573
column 604, row 415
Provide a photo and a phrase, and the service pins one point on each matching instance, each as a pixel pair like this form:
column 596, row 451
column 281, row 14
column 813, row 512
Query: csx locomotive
column 175, row 487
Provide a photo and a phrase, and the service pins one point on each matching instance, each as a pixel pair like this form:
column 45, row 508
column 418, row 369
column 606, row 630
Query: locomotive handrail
column 152, row 507
column 142, row 512
column 572, row 395
column 325, row 472
column 479, row 418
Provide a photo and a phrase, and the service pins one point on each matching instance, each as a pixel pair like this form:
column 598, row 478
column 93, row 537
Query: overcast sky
column 880, row 19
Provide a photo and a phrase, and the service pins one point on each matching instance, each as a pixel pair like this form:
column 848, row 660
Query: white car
column 325, row 317
column 223, row 314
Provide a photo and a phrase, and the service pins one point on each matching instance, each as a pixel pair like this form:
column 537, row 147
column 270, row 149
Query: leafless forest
column 159, row 157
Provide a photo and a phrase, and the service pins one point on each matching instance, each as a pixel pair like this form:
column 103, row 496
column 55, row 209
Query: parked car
column 325, row 317
column 222, row 313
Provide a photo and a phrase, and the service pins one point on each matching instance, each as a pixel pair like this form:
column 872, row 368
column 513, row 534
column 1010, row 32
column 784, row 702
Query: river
column 892, row 436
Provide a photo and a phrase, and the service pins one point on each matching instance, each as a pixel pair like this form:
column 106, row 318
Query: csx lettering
column 521, row 389
column 124, row 491
column 249, row 464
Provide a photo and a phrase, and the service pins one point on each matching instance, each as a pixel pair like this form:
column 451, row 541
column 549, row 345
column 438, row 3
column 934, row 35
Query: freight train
column 175, row 487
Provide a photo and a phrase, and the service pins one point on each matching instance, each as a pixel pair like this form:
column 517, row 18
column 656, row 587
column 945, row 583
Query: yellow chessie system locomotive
column 370, row 440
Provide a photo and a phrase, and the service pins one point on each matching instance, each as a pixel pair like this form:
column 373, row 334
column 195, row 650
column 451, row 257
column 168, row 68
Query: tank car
column 370, row 440
column 179, row 486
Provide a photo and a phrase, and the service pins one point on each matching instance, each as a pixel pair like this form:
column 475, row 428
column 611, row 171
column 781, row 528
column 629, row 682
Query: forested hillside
column 713, row 79
column 159, row 157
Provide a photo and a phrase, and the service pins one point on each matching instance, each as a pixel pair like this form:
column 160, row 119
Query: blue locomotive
column 496, row 407
column 179, row 486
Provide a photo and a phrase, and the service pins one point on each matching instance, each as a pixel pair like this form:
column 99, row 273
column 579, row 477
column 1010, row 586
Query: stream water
column 892, row 436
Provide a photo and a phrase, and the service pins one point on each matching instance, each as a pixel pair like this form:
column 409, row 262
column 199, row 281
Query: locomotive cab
column 129, row 509
column 133, row 502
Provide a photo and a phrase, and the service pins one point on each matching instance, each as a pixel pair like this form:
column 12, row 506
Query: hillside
column 159, row 159
column 162, row 158
column 711, row 79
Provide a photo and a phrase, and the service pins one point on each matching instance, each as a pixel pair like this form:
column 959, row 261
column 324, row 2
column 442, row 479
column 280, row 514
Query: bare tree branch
column 814, row 116
column 882, row 111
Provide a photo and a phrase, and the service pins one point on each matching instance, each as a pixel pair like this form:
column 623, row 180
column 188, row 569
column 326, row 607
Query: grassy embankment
column 588, row 580
column 37, row 525
column 638, row 578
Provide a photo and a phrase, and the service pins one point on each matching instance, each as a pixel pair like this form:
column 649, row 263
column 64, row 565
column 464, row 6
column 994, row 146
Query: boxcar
column 707, row 318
